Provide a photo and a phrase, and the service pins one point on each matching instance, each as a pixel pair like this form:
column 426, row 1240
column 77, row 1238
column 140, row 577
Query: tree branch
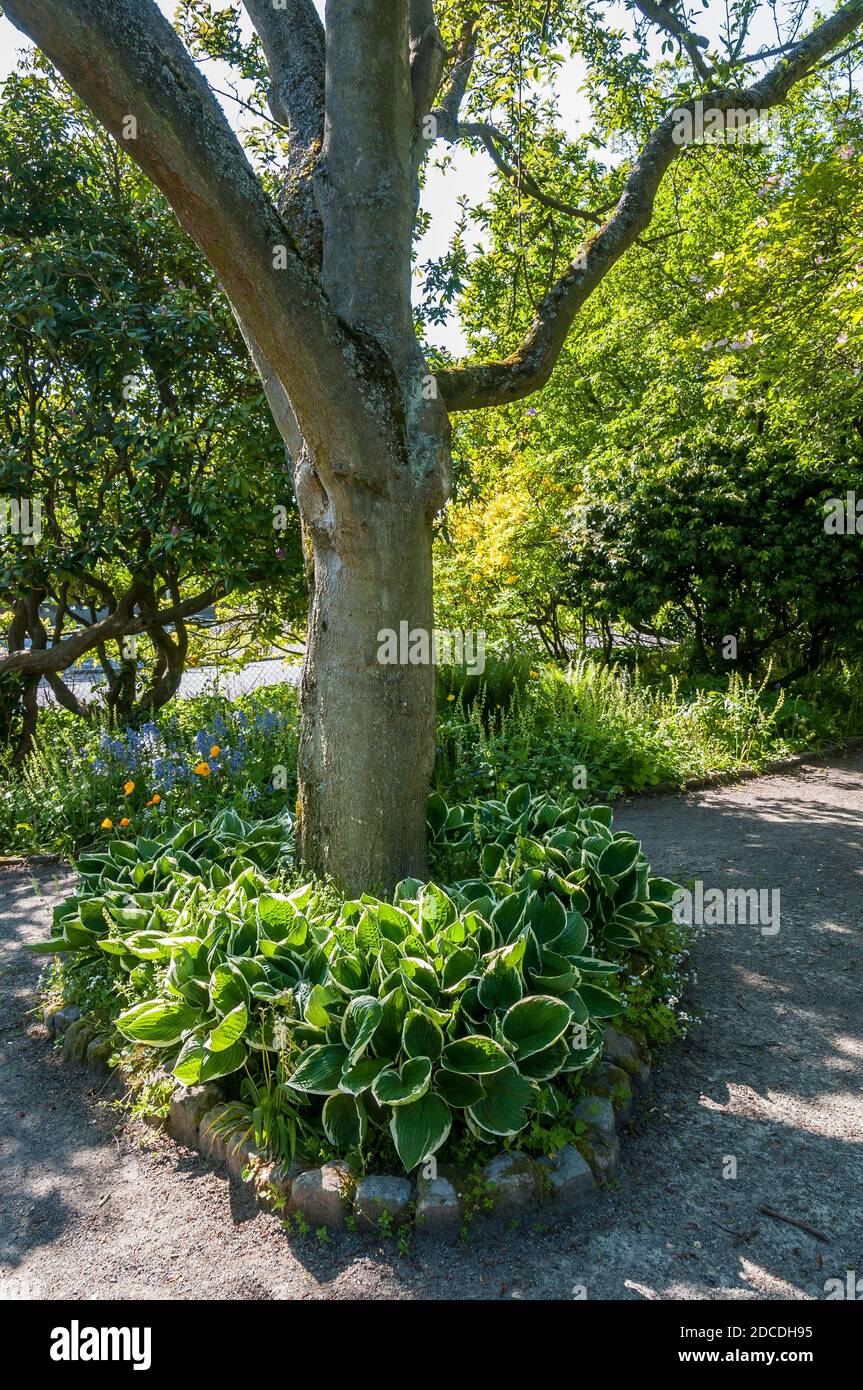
column 528, row 369
column 122, row 623
column 491, row 140
column 294, row 46
column 690, row 42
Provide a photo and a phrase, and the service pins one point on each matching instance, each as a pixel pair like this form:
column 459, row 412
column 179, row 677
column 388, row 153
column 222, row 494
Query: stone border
column 436, row 1204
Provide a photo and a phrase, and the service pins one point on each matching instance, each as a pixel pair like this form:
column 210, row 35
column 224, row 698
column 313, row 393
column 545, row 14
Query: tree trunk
column 367, row 743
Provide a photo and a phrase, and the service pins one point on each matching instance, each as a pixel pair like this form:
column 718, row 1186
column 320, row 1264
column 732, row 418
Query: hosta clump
column 434, row 1009
column 130, row 892
column 471, row 1007
column 566, row 848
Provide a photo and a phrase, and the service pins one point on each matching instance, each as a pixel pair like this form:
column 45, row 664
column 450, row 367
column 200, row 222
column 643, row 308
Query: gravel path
column 92, row 1206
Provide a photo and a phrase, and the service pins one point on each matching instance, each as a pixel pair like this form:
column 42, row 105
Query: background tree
column 322, row 286
column 130, row 414
column 674, row 476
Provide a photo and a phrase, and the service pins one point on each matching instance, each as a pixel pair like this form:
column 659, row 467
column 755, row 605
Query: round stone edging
column 437, row 1203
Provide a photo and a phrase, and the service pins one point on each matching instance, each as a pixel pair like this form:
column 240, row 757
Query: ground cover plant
column 603, row 732
column 437, row 1020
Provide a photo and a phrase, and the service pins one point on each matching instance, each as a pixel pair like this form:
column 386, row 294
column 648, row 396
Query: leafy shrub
column 471, row 1008
column 627, row 736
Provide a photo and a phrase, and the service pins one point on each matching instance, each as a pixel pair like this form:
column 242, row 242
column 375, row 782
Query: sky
column 468, row 172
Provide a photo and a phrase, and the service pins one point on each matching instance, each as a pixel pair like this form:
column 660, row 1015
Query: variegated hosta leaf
column 419, row 1129
column 503, row 1108
column 229, row 1030
column 535, row 1023
column 157, row 1022
column 359, row 1077
column 458, row 1090
column 319, row 1069
column 408, row 1083
column 198, row 1063
column 345, row 1121
column 359, row 1024
column 475, row 1056
column 600, row 1002
column 421, row 1036
column 544, row 1065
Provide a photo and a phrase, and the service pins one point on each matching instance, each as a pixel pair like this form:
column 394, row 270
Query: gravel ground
column 92, row 1206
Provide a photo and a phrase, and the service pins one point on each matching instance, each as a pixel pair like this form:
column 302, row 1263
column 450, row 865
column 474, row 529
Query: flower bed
column 437, row 1028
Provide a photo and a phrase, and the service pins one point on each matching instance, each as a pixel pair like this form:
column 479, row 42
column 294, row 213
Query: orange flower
column 107, row 824
column 124, row 822
column 128, row 788
column 450, row 697
column 154, row 799
column 202, row 769
column 215, row 751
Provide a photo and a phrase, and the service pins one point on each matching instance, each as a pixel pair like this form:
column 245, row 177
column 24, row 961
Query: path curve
column 92, row 1206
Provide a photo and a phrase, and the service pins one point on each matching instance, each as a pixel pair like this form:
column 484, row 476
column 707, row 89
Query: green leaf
column 407, row 1084
column 359, row 1024
column 474, row 1056
column 419, row 1129
column 436, row 813
column 228, row 988
column 620, row 856
column 517, row 802
column 230, row 1030
column 457, row 1090
column 421, row 1036
column 491, row 858
column 359, row 1077
column 542, row 1066
column 157, row 1022
column 216, row 1064
column 503, row 1108
column 345, row 1121
column 599, row 1002
column 319, row 1070
column 535, row 1023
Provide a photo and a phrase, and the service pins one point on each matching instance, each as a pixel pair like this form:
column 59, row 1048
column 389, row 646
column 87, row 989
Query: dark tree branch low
column 123, row 622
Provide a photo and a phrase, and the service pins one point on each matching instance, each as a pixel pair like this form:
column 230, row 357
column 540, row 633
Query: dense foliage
column 131, row 418
column 443, row 1009
column 672, row 477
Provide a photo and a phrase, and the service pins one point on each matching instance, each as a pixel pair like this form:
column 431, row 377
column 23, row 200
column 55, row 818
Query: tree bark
column 367, row 744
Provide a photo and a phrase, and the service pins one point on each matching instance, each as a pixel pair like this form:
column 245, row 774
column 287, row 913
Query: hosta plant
column 471, row 1008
